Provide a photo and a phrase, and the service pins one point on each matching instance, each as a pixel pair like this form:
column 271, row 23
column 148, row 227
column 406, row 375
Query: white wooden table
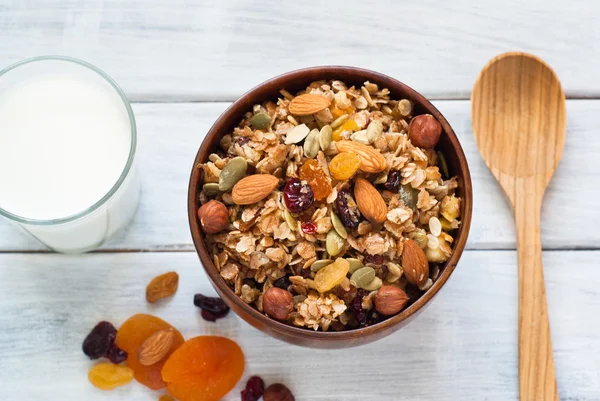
column 181, row 62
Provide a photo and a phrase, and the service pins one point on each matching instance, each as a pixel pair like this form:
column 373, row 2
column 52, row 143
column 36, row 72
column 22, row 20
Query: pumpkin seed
column 381, row 178
column 334, row 243
column 319, row 264
column 374, row 130
column 443, row 165
column 211, row 188
column 338, row 226
column 234, row 171
column 325, row 136
column 355, row 264
column 290, row 220
column 339, row 121
column 409, row 196
column 311, row 144
column 296, row 134
column 375, row 284
column 260, row 120
column 362, row 277
column 360, row 137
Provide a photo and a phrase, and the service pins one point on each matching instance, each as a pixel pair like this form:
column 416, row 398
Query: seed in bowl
column 338, row 206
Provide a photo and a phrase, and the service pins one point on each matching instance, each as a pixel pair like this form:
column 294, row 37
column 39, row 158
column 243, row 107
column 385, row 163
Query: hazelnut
column 278, row 303
column 278, row 392
column 424, row 131
column 390, row 300
column 213, row 216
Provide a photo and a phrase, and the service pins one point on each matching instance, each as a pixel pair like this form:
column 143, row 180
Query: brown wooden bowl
column 293, row 82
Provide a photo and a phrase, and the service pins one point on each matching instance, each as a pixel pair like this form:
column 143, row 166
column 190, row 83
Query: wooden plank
column 462, row 347
column 200, row 50
column 170, row 134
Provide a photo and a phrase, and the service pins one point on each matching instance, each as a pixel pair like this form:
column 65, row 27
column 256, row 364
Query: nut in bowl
column 340, row 227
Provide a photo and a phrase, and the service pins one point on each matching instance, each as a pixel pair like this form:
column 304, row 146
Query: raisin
column 331, row 275
column 357, row 310
column 241, row 140
column 298, row 195
column 116, row 355
column 344, row 165
column 312, row 173
column 283, row 283
column 346, row 209
column 107, row 376
column 393, row 182
column 100, row 340
column 374, row 259
column 213, row 308
column 255, row 387
column 309, row 227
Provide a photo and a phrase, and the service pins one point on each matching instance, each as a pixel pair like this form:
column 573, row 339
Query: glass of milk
column 67, row 148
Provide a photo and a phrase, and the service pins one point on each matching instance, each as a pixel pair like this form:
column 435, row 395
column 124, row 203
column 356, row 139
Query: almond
column 162, row 286
column 369, row 201
column 253, row 188
column 371, row 161
column 156, row 347
column 415, row 264
column 307, row 104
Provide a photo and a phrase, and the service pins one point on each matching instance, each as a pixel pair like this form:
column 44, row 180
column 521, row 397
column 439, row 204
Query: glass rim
column 132, row 149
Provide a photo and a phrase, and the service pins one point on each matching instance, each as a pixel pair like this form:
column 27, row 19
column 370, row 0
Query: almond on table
column 325, row 209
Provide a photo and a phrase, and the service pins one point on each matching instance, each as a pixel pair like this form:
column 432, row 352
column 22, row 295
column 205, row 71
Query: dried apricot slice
column 349, row 125
column 132, row 334
column 344, row 165
column 107, row 376
column 312, row 173
column 205, row 368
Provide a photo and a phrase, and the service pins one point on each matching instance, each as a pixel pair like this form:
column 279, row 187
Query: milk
column 65, row 141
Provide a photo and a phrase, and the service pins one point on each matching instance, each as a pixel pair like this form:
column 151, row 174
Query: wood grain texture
column 519, row 122
column 210, row 50
column 462, row 347
column 170, row 134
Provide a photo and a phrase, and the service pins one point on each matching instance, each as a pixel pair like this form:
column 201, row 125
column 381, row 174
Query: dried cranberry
column 309, row 228
column 347, row 209
column 100, row 340
column 393, row 181
column 213, row 308
column 359, row 313
column 374, row 259
column 116, row 355
column 298, row 195
column 283, row 283
column 255, row 387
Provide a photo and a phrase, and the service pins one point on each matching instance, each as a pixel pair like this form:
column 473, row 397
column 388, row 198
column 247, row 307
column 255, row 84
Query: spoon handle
column 537, row 381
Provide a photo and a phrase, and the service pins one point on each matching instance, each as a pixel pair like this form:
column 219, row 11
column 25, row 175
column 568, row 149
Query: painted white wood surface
column 210, row 50
column 462, row 347
column 170, row 134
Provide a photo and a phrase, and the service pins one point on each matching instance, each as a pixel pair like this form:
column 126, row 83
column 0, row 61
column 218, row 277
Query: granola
column 309, row 231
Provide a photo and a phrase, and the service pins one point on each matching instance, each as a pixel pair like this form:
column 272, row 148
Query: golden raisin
column 132, row 334
column 331, row 275
column 312, row 173
column 107, row 376
column 344, row 165
column 349, row 125
column 205, row 368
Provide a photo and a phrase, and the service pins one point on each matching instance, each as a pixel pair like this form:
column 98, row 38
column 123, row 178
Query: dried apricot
column 205, row 368
column 107, row 376
column 312, row 173
column 132, row 334
column 349, row 125
column 166, row 398
column 344, row 165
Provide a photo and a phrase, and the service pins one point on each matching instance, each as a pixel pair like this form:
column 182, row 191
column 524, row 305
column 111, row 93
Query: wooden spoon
column 519, row 122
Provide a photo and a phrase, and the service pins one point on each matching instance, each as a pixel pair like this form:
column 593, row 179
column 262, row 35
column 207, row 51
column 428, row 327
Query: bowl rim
column 330, row 336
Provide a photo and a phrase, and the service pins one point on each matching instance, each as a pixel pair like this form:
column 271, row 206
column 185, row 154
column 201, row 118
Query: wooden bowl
column 293, row 82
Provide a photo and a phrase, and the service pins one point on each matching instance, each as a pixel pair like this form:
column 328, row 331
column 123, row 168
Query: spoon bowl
column 519, row 122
